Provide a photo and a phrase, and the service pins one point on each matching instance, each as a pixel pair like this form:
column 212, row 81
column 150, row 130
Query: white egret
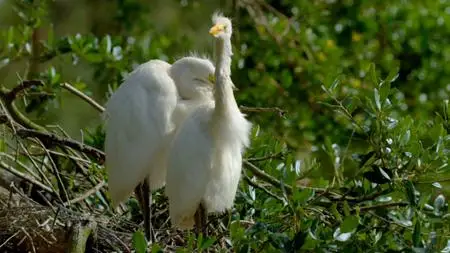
column 141, row 117
column 205, row 159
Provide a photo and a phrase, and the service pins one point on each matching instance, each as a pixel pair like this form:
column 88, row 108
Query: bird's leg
column 201, row 219
column 144, row 196
column 147, row 211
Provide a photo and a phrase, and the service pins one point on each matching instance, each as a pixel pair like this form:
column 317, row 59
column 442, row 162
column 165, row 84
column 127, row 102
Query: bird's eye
column 200, row 80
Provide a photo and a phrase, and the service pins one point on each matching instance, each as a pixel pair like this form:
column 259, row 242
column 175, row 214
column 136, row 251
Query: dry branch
column 60, row 141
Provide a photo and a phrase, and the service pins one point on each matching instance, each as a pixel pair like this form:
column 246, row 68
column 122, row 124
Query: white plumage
column 205, row 158
column 142, row 116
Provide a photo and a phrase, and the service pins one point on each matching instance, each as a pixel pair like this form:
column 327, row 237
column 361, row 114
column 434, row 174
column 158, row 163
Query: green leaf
column 10, row 36
column 156, row 248
column 346, row 208
column 106, row 44
column 335, row 212
column 139, row 242
column 93, row 57
column 365, row 158
column 302, row 196
column 393, row 74
column 410, row 193
column 416, row 235
column 350, row 224
column 335, row 84
column 378, row 175
column 377, row 98
column 207, row 243
column 405, row 138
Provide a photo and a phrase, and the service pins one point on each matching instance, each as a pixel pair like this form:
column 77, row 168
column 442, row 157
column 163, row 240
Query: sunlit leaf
column 350, row 224
column 139, row 242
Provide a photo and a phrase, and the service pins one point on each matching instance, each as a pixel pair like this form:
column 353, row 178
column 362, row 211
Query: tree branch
column 63, row 142
column 266, row 177
column 83, row 96
column 246, row 109
column 27, row 178
column 11, row 95
column 86, row 194
column 386, row 205
column 8, row 96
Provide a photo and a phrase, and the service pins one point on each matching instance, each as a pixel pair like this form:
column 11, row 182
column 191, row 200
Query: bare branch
column 246, row 109
column 86, row 194
column 83, row 96
column 368, row 208
column 11, row 95
column 27, row 178
column 60, row 141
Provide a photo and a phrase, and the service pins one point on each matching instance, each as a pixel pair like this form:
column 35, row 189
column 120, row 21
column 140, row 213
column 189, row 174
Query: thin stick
column 247, row 109
column 29, row 238
column 9, row 239
column 83, row 96
column 52, row 138
column 266, row 177
column 26, row 177
column 393, row 204
column 86, row 194
column 264, row 189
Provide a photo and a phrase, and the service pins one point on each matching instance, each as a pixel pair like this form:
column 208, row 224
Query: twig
column 368, row 208
column 52, row 138
column 434, row 181
column 247, row 109
column 54, row 169
column 6, row 118
column 29, row 238
column 278, row 184
column 27, row 178
column 36, row 166
column 267, row 157
column 86, row 194
column 10, row 95
column 83, row 96
column 9, row 239
column 264, row 189
column 101, row 109
column 16, row 161
column 266, row 177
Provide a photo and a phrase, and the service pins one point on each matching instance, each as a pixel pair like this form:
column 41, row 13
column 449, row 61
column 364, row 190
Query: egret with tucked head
column 205, row 158
column 141, row 118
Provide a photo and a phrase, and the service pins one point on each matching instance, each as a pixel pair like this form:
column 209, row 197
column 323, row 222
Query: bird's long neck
column 223, row 92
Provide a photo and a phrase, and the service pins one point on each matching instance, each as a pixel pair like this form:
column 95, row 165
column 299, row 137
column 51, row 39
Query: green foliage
column 139, row 242
column 360, row 162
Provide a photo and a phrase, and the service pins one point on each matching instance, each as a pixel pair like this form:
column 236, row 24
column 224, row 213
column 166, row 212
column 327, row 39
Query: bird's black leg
column 147, row 210
column 201, row 219
column 145, row 199
column 204, row 221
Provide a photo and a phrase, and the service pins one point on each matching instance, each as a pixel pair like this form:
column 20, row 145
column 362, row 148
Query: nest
column 26, row 226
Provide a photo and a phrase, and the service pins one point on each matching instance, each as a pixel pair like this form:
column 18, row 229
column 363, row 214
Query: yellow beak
column 216, row 29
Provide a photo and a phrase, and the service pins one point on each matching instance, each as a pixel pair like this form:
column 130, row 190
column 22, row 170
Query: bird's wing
column 189, row 166
column 138, row 121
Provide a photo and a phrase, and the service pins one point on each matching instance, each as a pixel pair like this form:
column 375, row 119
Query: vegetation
column 349, row 101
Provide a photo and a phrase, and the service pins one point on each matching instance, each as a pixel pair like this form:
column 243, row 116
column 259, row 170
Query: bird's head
column 194, row 76
column 222, row 27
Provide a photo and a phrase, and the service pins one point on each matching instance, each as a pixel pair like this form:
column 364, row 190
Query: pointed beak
column 216, row 29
